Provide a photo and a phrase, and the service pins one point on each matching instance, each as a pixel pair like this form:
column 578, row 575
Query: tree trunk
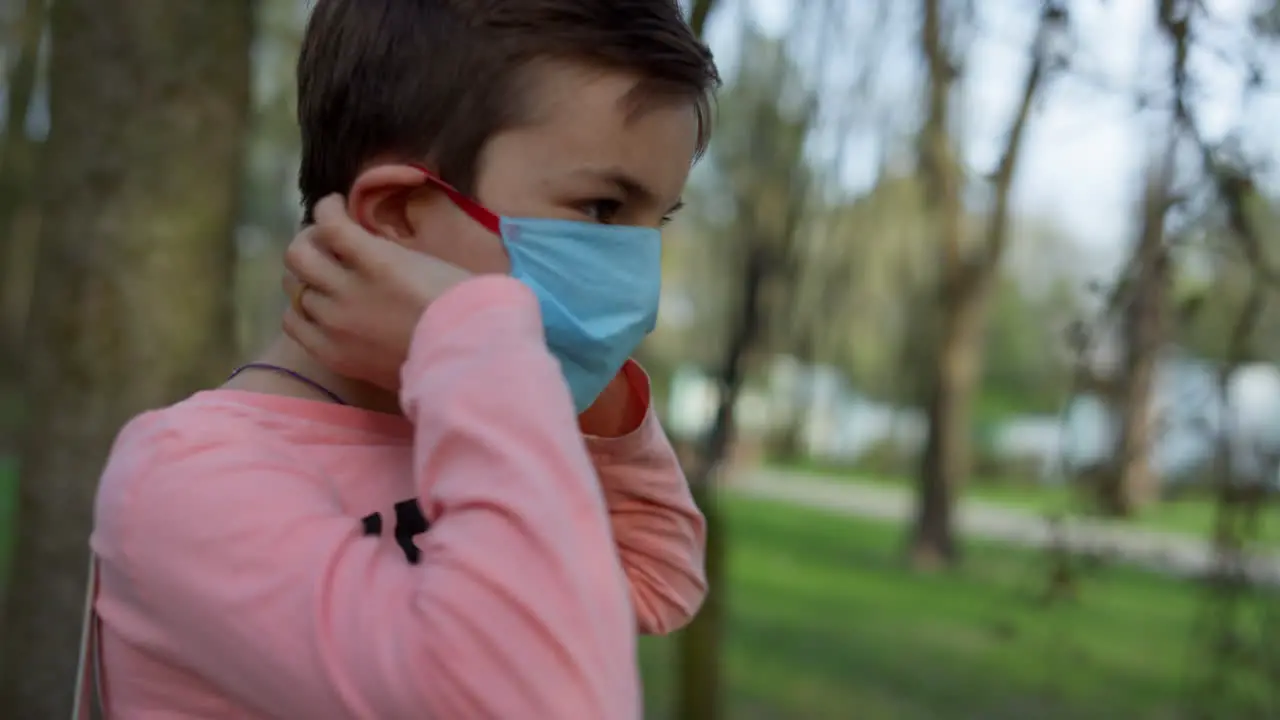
column 1129, row 482
column 787, row 443
column 699, row 14
column 700, row 684
column 967, row 278
column 17, row 176
column 132, row 306
column 945, row 454
column 945, row 463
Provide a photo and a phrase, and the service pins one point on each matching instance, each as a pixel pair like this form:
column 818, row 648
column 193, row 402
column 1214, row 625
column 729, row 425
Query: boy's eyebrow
column 628, row 185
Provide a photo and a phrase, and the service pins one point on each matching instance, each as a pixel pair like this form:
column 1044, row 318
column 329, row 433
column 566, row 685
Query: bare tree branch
column 699, row 14
column 1051, row 18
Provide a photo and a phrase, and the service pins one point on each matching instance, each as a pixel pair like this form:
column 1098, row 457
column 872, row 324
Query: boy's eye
column 602, row 210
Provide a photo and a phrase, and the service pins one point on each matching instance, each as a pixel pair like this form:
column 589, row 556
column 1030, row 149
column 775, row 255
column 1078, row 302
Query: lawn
column 1187, row 516
column 825, row 623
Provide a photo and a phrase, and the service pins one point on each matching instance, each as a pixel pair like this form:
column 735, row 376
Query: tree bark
column 698, row 16
column 1129, row 483
column 132, row 306
column 700, row 658
column 946, row 458
column 699, row 682
column 967, row 278
column 17, row 177
column 932, row 540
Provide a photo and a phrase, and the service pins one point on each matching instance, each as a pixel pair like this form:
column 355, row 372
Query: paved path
column 1167, row 552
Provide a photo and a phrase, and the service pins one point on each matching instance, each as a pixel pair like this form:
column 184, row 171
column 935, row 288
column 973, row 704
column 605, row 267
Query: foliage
column 875, row 255
column 1215, row 285
column 763, row 183
column 1027, row 364
column 747, row 193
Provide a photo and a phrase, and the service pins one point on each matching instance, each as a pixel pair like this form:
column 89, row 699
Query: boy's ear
column 380, row 197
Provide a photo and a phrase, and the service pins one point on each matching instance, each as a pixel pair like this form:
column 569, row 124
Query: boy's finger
column 319, row 309
column 308, row 335
column 311, row 265
column 332, row 211
column 335, row 231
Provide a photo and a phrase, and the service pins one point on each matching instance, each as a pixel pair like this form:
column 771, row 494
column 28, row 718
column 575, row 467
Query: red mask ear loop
column 478, row 212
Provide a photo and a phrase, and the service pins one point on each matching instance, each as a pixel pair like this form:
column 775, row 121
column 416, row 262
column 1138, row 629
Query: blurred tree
column 845, row 250
column 1211, row 299
column 1266, row 18
column 757, row 170
column 1233, row 320
column 862, row 281
column 1038, row 298
column 868, row 278
column 762, row 177
column 132, row 304
column 18, row 165
column 699, row 14
column 1142, row 299
column 965, row 277
column 701, row 642
column 271, row 206
column 1026, row 367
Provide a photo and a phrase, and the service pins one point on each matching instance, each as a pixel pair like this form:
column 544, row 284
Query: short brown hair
column 436, row 79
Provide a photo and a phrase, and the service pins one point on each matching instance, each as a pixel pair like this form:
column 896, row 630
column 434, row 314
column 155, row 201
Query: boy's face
column 591, row 152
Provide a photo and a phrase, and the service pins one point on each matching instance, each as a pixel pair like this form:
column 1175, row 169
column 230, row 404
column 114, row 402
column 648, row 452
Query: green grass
column 826, row 623
column 1189, row 516
column 1186, row 516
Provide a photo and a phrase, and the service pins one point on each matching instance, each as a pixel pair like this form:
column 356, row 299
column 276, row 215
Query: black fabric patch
column 410, row 522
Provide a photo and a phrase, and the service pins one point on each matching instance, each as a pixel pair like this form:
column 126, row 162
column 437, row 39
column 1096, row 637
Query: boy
column 393, row 513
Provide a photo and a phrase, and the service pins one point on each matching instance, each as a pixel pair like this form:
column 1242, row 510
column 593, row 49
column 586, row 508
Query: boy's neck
column 287, row 354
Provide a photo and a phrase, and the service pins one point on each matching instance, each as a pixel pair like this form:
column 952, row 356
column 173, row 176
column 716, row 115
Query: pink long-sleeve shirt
column 264, row 556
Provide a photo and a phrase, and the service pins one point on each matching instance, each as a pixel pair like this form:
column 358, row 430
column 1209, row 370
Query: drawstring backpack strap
column 89, row 671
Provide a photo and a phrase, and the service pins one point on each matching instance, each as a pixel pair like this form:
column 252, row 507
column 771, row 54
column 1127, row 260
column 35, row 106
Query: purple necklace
column 286, row 371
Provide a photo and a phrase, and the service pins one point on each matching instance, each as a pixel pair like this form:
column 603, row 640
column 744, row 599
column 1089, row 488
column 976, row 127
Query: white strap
column 89, row 670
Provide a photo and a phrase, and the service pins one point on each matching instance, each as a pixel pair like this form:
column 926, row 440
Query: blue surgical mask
column 597, row 286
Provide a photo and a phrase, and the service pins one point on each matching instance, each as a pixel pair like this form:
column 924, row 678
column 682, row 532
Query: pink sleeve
column 659, row 531
column 518, row 608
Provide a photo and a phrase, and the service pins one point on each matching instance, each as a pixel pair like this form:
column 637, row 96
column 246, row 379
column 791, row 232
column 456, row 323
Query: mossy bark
column 131, row 305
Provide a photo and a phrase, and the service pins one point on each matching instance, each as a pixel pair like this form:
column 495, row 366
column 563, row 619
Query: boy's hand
column 357, row 297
